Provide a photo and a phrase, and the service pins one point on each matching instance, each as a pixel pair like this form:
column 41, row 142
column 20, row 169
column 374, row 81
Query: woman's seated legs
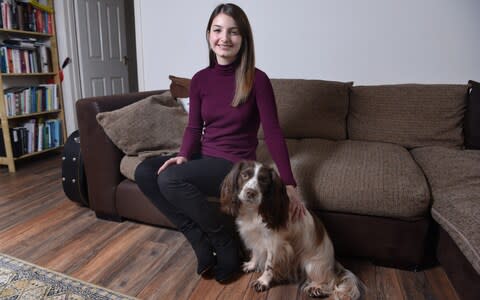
column 186, row 186
column 146, row 179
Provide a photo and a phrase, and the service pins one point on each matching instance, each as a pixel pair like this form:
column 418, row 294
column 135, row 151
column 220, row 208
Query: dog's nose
column 251, row 193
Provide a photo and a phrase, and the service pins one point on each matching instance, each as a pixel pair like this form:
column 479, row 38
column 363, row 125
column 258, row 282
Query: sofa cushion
column 128, row 165
column 154, row 123
column 411, row 115
column 367, row 178
column 454, row 177
column 311, row 108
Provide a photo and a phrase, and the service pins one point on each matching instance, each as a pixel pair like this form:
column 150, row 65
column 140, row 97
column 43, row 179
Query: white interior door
column 102, row 48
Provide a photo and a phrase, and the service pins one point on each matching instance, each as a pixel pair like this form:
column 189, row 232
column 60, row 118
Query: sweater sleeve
column 193, row 132
column 267, row 109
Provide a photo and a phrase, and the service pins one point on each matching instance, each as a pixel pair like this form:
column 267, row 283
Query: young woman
column 228, row 101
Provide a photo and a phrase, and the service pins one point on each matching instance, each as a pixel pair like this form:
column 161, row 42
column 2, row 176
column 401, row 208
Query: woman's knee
column 164, row 179
column 169, row 177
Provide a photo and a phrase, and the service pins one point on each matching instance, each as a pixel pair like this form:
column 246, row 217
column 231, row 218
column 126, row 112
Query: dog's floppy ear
column 229, row 202
column 274, row 208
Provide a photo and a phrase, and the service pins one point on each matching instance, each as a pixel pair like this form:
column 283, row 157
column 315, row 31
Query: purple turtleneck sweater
column 231, row 132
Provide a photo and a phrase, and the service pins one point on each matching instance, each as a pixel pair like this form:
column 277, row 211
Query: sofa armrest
column 101, row 157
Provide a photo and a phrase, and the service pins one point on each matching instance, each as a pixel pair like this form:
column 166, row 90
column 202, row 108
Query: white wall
column 66, row 43
column 368, row 42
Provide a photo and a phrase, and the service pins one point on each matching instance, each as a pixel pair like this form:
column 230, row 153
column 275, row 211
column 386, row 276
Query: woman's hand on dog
column 172, row 161
column 297, row 208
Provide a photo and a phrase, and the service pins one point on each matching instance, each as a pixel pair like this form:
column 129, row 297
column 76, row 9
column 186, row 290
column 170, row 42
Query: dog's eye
column 244, row 175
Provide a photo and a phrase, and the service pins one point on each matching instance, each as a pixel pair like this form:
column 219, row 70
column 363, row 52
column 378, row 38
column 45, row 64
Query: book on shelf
column 17, row 139
column 18, row 58
column 28, row 100
column 26, row 15
column 33, row 136
column 21, row 43
column 45, row 59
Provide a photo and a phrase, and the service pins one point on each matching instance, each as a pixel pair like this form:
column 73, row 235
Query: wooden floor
column 40, row 225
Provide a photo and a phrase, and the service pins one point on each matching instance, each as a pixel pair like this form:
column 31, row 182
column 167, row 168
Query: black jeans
column 180, row 191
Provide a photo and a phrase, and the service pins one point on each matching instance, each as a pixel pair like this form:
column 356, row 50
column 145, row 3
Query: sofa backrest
column 312, row 108
column 411, row 115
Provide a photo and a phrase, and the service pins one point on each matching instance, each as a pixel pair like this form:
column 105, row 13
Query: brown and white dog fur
column 284, row 250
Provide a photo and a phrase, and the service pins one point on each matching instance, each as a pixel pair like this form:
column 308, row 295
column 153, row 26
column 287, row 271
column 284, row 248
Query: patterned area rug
column 20, row 280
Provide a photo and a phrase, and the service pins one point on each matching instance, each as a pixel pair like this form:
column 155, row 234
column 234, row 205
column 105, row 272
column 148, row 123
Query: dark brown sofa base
column 141, row 209
column 385, row 241
column 106, row 217
column 459, row 270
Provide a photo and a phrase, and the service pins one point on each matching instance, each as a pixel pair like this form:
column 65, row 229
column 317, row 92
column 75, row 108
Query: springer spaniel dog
column 284, row 250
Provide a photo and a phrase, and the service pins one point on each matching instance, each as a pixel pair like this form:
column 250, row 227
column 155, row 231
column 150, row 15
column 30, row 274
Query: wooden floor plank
column 53, row 236
column 365, row 271
column 23, row 209
column 439, row 285
column 118, row 248
column 283, row 292
column 40, row 225
column 414, row 285
column 206, row 289
column 73, row 254
column 250, row 293
column 173, row 266
column 20, row 235
column 387, row 284
column 236, row 290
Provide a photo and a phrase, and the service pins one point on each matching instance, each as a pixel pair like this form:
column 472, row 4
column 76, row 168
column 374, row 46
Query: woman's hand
column 174, row 160
column 297, row 208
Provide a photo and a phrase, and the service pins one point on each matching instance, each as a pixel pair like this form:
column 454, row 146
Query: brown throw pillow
column 179, row 87
column 154, row 123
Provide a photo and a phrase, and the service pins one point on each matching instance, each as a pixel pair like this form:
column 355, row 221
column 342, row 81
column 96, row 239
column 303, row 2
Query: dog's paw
column 315, row 291
column 259, row 286
column 249, row 267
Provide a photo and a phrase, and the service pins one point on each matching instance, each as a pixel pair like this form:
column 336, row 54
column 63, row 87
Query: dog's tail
column 347, row 286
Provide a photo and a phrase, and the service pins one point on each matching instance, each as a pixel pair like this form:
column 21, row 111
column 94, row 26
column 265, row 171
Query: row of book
column 32, row 136
column 23, row 15
column 15, row 59
column 28, row 100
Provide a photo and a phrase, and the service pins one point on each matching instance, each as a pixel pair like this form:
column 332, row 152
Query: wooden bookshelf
column 41, row 113
column 23, row 79
column 24, row 33
column 49, row 74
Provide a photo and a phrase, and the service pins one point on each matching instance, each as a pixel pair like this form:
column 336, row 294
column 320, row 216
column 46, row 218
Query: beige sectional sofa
column 383, row 166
